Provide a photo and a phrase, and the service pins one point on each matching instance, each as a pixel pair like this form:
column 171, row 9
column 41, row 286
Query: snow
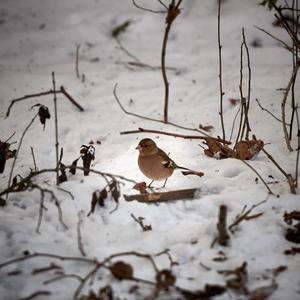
column 38, row 37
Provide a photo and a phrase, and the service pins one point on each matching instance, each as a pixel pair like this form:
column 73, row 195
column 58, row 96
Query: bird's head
column 147, row 147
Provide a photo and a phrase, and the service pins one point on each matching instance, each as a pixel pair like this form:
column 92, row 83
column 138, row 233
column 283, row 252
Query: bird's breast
column 152, row 167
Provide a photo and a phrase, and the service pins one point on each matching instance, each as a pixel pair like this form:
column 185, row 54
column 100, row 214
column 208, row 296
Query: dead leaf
column 44, row 114
column 122, row 270
column 97, row 197
column 63, row 177
column 234, row 101
column 217, row 150
column 165, row 278
column 209, row 291
column 292, row 251
column 246, row 150
column 140, row 186
column 73, row 166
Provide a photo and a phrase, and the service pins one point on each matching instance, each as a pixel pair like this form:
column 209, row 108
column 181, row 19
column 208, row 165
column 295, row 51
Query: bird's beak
column 137, row 147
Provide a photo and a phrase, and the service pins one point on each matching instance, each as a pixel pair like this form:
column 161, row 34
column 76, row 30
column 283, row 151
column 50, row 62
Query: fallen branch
column 222, row 228
column 139, row 221
column 163, row 196
column 244, row 215
column 36, row 294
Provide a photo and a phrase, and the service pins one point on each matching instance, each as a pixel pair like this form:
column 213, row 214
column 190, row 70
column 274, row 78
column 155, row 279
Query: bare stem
column 220, row 69
column 259, row 176
column 283, row 105
column 77, row 61
column 56, row 129
column 18, row 150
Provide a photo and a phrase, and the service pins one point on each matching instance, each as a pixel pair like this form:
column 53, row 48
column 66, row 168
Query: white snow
column 38, row 37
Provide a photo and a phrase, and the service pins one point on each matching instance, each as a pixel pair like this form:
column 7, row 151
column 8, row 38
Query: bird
column 155, row 164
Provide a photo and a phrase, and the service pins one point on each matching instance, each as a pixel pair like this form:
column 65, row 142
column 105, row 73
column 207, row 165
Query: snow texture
column 38, row 37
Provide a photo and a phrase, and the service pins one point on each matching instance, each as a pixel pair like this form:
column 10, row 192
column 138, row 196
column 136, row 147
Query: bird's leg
column 165, row 182
column 149, row 185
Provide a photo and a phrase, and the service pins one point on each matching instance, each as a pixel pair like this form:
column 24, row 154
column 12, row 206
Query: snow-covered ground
column 38, row 37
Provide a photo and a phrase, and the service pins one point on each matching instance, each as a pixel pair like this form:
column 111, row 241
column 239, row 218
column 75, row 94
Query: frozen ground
column 38, row 37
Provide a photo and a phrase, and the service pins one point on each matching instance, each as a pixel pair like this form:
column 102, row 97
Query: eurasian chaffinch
column 154, row 163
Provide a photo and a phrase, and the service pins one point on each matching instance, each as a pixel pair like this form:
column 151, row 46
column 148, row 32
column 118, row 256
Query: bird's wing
column 166, row 160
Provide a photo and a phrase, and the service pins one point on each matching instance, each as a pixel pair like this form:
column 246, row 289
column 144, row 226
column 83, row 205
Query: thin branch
column 289, row 177
column 173, row 12
column 220, row 69
column 77, row 61
column 148, row 9
column 298, row 150
column 36, row 294
column 283, row 105
column 14, row 187
column 246, row 125
column 142, row 130
column 126, row 51
column 139, row 221
column 244, row 215
column 239, row 137
column 33, row 158
column 50, row 92
column 18, row 149
column 70, row 98
column 152, row 119
column 286, row 46
column 270, row 113
column 56, row 129
column 79, row 236
column 263, row 181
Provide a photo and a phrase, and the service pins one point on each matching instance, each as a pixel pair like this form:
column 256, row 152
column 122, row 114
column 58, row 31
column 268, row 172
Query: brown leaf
column 140, row 186
column 234, row 101
column 246, row 150
column 122, row 270
column 216, row 149
column 292, row 251
column 208, row 292
column 165, row 278
column 289, row 217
